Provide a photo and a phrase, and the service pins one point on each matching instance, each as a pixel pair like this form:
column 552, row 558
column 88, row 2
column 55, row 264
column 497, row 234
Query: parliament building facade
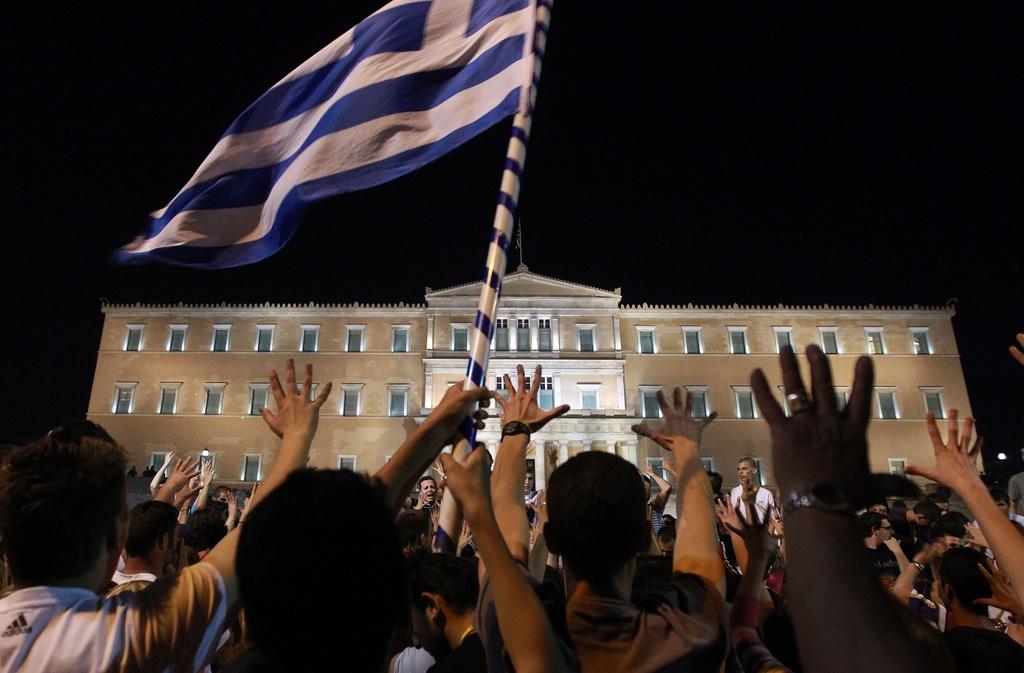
column 187, row 377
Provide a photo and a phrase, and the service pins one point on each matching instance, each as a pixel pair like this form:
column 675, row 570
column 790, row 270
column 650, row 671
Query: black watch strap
column 515, row 428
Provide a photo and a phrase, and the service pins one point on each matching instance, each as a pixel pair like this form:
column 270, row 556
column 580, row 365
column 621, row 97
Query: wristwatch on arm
column 822, row 497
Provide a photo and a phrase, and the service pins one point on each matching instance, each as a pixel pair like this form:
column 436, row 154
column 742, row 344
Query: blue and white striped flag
column 404, row 87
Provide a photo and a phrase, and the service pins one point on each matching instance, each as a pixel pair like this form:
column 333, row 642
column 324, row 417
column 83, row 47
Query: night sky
column 757, row 153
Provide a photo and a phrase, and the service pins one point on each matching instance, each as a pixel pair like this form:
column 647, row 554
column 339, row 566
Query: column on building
column 620, row 389
column 617, row 333
column 513, row 341
column 534, row 336
column 555, row 338
column 430, row 333
column 428, row 389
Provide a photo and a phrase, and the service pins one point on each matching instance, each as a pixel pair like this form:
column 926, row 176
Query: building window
column 400, row 339
column 586, row 336
column 156, row 460
column 649, row 400
column 692, row 344
column 887, row 404
column 176, row 339
column 523, row 334
column 876, row 345
column 829, row 340
column 699, row 401
column 398, row 399
column 123, row 398
column 919, row 335
column 347, row 462
column 221, row 337
column 264, row 338
column 354, row 339
column 933, row 402
column 310, row 339
column 133, row 340
column 738, row 340
column 783, row 337
column 707, row 463
column 168, row 398
column 897, row 465
column 840, row 399
column 257, row 397
column 460, row 338
column 350, row 401
column 745, row 403
column 501, row 334
column 546, row 394
column 645, row 339
column 252, row 466
column 544, row 334
column 499, row 386
column 214, row 399
column 588, row 395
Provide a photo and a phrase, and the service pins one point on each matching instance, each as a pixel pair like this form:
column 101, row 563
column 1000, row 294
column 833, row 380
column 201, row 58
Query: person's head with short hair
column 874, row 528
column 941, row 501
column 444, row 592
column 428, row 487
column 950, row 529
column 746, row 470
column 1001, row 498
column 667, row 540
column 152, row 534
column 716, row 483
column 530, row 484
column 323, row 538
column 597, row 515
column 206, row 527
column 413, row 526
column 961, row 582
column 879, row 508
column 63, row 513
column 222, row 494
column 924, row 513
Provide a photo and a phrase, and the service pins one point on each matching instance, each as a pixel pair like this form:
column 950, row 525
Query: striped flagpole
column 504, row 220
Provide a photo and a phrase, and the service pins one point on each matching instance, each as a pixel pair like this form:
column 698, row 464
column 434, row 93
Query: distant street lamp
column 1001, row 456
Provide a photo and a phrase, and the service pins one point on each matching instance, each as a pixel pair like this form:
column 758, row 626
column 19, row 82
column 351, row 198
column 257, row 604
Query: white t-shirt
column 174, row 624
column 412, row 660
column 120, row 578
column 762, row 502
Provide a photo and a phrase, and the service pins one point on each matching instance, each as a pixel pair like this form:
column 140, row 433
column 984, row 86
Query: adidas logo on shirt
column 17, row 627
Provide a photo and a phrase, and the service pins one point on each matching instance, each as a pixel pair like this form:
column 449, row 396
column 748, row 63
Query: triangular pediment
column 525, row 283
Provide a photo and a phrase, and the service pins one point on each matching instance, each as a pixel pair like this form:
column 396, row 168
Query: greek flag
column 404, row 87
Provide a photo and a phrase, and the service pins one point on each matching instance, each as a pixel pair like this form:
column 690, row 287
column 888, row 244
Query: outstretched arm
column 154, row 485
column 449, row 522
column 184, row 470
column 665, row 488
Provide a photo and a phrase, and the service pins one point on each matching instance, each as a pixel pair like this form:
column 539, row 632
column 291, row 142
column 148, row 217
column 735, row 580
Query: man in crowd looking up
column 749, row 490
column 151, row 544
column 975, row 643
column 444, row 592
column 63, row 521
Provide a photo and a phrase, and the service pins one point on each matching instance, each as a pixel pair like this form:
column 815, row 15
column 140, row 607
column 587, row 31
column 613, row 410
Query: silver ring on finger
column 798, row 402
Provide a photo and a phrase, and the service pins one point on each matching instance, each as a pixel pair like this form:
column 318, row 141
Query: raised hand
column 296, row 413
column 1003, row 596
column 248, row 503
column 679, row 423
column 183, row 471
column 753, row 531
column 1018, row 353
column 470, row 483
column 820, row 445
column 956, row 462
column 208, row 473
column 728, row 515
column 551, row 455
column 974, row 535
column 521, row 404
column 456, row 404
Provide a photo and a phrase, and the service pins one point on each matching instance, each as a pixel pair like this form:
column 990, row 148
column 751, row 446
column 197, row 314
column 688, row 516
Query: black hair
column 597, row 517
column 869, row 522
column 206, row 527
column 60, row 497
column 425, row 478
column 667, row 533
column 998, row 494
column 411, row 524
column 952, row 523
column 928, row 509
column 454, row 579
column 959, row 569
column 716, row 482
column 147, row 523
column 350, row 556
column 936, row 497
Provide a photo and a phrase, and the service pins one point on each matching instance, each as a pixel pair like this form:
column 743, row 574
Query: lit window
column 214, row 399
column 829, row 340
column 783, row 338
column 933, row 403
column 350, row 402
column 399, row 339
column 919, row 335
column 544, row 334
column 587, row 344
column 397, row 401
column 264, row 338
column 897, row 465
column 168, row 398
column 588, row 398
column 251, row 467
column 876, row 345
column 887, row 404
column 708, row 464
column 221, row 337
column 645, row 339
column 156, row 460
column 125, row 393
column 133, row 340
column 499, row 386
column 745, row 403
column 692, row 341
column 699, row 401
column 523, row 334
column 460, row 338
column 347, row 463
column 501, row 334
column 176, row 340
column 738, row 340
column 546, row 394
column 257, row 397
column 840, row 399
column 354, row 339
column 310, row 338
column 649, row 399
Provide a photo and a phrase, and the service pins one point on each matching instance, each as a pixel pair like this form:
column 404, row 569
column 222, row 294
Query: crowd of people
column 608, row 568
